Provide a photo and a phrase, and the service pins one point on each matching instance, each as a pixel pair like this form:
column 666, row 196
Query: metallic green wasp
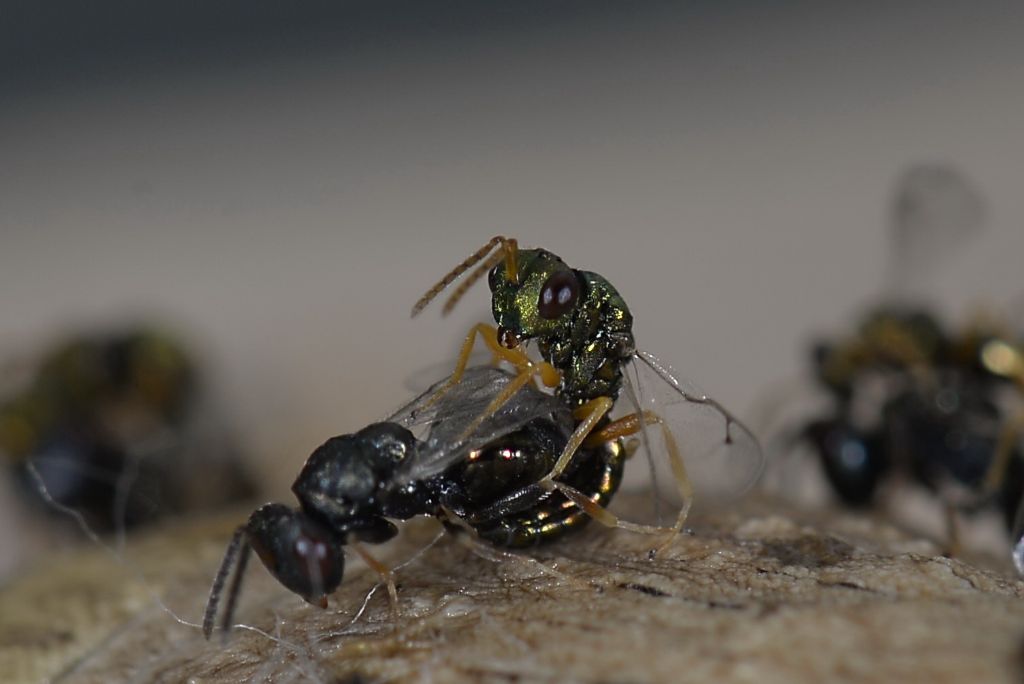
column 583, row 331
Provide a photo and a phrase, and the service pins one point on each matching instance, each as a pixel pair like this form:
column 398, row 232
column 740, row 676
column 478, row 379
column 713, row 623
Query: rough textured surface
column 755, row 596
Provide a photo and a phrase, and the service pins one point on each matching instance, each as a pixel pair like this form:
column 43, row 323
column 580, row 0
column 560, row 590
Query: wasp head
column 539, row 302
column 303, row 555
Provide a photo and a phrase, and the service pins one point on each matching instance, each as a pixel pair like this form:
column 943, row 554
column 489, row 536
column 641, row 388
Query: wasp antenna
column 511, row 249
column 450, row 277
column 234, row 590
column 471, row 279
column 210, row 614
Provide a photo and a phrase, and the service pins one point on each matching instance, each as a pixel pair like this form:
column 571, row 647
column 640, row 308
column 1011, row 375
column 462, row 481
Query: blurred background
column 280, row 183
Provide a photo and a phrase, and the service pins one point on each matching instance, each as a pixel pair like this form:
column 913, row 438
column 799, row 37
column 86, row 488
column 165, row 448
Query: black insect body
column 946, row 413
column 853, row 460
column 108, row 425
column 933, row 432
column 911, row 396
column 353, row 486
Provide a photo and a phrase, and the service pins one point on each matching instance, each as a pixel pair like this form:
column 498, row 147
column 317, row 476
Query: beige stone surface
column 748, row 596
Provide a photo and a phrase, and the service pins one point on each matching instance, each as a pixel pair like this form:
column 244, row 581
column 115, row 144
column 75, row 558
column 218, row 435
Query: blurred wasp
column 108, row 425
column 911, row 396
column 469, row 473
column 940, row 409
column 584, row 334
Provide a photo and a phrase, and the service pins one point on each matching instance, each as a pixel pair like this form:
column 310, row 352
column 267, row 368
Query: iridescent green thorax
column 590, row 337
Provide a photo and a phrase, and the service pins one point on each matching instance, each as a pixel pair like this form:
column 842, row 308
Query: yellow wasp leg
column 489, row 334
column 589, row 415
column 499, row 400
column 630, row 425
column 528, row 369
column 609, row 519
column 526, row 375
column 386, row 576
column 1008, row 434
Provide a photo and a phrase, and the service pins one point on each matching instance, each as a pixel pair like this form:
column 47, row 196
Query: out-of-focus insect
column 945, row 410
column 584, row 334
column 466, row 472
column 108, row 426
column 910, row 396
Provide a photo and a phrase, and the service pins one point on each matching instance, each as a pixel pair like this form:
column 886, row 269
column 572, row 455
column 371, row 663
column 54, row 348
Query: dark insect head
column 303, row 555
column 854, row 462
column 338, row 492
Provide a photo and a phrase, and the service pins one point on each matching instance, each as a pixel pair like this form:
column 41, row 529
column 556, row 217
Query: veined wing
column 423, row 378
column 451, row 426
column 722, row 457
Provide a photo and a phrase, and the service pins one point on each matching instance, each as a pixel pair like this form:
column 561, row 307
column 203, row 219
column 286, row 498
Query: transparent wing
column 935, row 210
column 424, row 378
column 450, row 427
column 722, row 457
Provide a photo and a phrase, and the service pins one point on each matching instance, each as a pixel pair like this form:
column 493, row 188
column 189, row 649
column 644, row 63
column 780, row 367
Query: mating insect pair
column 516, row 464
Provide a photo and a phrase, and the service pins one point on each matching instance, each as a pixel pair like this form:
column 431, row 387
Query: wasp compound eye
column 299, row 552
column 558, row 296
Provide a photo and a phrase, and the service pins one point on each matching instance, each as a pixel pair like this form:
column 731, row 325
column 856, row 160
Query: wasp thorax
column 343, row 475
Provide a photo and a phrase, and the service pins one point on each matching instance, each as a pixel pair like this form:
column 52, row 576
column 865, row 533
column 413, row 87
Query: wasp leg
column 516, row 357
column 526, row 367
column 623, row 427
column 954, row 547
column 1017, row 538
column 516, row 384
column 1008, row 435
column 468, row 537
column 386, row 576
column 589, row 415
column 634, row 423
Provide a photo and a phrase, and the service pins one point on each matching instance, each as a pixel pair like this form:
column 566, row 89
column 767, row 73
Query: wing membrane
column 722, row 457
column 442, row 424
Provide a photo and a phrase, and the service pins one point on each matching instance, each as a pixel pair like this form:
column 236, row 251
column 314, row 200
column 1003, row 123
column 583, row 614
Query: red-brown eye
column 559, row 295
